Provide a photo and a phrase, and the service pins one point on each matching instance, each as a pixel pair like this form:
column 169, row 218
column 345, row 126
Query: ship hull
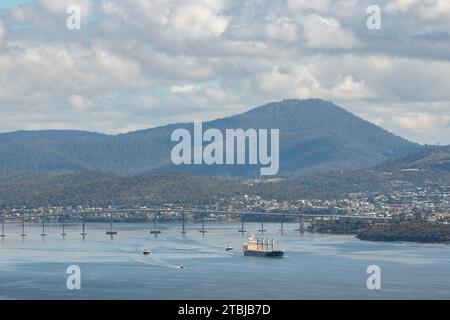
column 267, row 254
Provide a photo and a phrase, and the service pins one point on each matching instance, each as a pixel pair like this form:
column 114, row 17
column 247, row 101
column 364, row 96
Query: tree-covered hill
column 315, row 136
column 95, row 188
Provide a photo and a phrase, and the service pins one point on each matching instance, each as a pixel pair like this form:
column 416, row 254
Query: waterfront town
column 430, row 203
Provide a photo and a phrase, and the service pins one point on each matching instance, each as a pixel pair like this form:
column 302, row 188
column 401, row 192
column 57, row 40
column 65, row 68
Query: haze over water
column 315, row 266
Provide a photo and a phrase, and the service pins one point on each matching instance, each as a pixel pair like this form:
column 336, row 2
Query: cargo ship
column 256, row 247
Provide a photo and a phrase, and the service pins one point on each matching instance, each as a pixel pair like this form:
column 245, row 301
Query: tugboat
column 256, row 247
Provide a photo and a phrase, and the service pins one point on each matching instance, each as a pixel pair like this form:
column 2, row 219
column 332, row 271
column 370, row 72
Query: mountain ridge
column 315, row 136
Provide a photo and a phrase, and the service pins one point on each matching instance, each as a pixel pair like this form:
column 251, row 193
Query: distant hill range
column 95, row 188
column 428, row 158
column 315, row 136
column 429, row 167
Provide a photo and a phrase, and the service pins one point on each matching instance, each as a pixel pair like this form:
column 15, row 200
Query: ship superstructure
column 261, row 248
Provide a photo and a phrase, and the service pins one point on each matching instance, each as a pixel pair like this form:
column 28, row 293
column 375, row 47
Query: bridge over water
column 156, row 213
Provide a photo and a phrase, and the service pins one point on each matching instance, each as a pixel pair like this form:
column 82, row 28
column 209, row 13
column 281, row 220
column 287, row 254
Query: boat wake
column 153, row 260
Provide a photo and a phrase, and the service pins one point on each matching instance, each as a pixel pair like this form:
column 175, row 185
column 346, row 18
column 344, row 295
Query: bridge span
column 156, row 213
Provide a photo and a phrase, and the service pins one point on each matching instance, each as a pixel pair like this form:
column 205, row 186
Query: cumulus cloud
column 184, row 89
column 198, row 20
column 301, row 82
column 318, row 5
column 63, row 70
column 347, row 88
column 79, row 102
column 49, row 15
column 427, row 10
column 327, row 33
column 401, row 5
column 60, row 6
column 415, row 121
column 282, row 29
column 173, row 20
column 140, row 63
column 436, row 13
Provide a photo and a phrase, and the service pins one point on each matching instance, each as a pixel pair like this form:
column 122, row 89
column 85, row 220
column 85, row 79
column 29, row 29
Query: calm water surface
column 315, row 266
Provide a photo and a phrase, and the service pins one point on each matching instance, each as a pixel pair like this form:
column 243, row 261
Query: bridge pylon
column 301, row 224
column 111, row 232
column 155, row 229
column 242, row 229
column 43, row 234
column 262, row 230
column 203, row 231
column 3, row 229
column 23, row 227
column 183, row 223
column 63, row 226
column 83, row 228
column 282, row 225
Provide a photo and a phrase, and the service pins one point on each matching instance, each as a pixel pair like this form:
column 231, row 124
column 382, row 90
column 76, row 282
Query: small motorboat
column 180, row 266
column 229, row 248
column 146, row 252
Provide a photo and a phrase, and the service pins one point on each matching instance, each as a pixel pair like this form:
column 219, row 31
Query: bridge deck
column 28, row 215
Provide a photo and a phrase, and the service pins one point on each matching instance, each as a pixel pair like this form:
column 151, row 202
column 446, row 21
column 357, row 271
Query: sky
column 6, row 4
column 136, row 64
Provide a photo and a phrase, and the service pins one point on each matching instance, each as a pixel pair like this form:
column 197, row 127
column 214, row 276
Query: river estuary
column 315, row 266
